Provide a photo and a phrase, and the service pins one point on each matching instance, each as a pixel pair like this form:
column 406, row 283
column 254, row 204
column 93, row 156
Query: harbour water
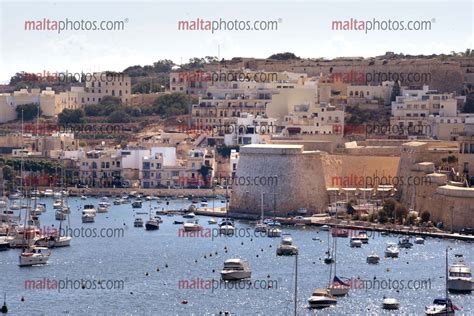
column 155, row 265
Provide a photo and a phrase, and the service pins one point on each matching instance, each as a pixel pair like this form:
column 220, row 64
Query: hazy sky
column 151, row 32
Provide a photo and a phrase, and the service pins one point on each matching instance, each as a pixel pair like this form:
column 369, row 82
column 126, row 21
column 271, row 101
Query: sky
column 151, row 33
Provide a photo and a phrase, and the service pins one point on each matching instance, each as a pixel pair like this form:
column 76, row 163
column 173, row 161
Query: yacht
column 103, row 207
column 57, row 204
column 83, row 197
column 60, row 216
column 392, row 251
column 362, row 236
column 191, row 226
column 390, row 303
column 441, row 306
column 137, row 204
column 459, row 276
column 355, row 242
column 286, row 247
column 226, row 227
column 373, row 258
column 88, row 214
column 236, row 269
column 34, row 256
column 321, row 298
column 273, row 231
column 15, row 206
column 338, row 287
column 117, row 201
column 212, row 221
column 189, row 215
column 404, row 242
column 324, row 228
column 21, row 237
column 138, row 222
column 54, row 241
column 48, row 193
column 419, row 240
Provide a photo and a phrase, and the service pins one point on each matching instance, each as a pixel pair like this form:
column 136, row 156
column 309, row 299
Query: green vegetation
column 395, row 91
column 284, row 56
column 119, row 116
column 68, row 116
column 172, row 104
column 204, row 171
column 361, row 116
column 30, row 111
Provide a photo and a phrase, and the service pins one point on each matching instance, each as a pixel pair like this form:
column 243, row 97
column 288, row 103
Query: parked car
column 467, row 231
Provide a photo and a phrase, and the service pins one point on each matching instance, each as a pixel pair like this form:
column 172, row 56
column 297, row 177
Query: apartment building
column 248, row 129
column 114, row 84
column 313, row 119
column 154, row 172
column 427, row 113
column 101, row 169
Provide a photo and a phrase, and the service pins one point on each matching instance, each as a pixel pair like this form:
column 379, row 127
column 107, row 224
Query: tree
column 382, row 217
column 389, row 207
column 395, row 91
column 400, row 212
column 284, row 56
column 110, row 100
column 93, row 110
column 469, row 105
column 172, row 104
column 425, row 217
column 30, row 111
column 68, row 116
column 119, row 116
column 204, row 172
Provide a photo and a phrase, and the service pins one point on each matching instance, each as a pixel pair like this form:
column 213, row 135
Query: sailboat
column 261, row 226
column 273, row 230
column 226, row 226
column 32, row 255
column 328, row 259
column 337, row 287
column 151, row 223
column 442, row 306
column 57, row 240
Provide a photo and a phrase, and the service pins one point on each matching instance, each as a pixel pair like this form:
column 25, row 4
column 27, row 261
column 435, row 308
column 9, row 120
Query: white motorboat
column 459, row 276
column 321, row 298
column 103, row 207
column 441, row 306
column 392, row 251
column 390, row 303
column 57, row 204
column 363, row 237
column 83, row 197
column 212, row 221
column 88, row 213
column 34, row 256
column 373, row 258
column 191, row 226
column 138, row 222
column 15, row 206
column 261, row 227
column 405, row 242
column 355, row 242
column 419, row 240
column 189, row 215
column 273, row 231
column 60, row 216
column 226, row 227
column 286, row 247
column 236, row 269
column 48, row 193
column 324, row 228
column 117, row 201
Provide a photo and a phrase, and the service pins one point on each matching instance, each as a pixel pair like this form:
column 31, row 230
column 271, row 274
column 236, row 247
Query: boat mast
column 296, row 283
column 446, row 284
column 261, row 207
